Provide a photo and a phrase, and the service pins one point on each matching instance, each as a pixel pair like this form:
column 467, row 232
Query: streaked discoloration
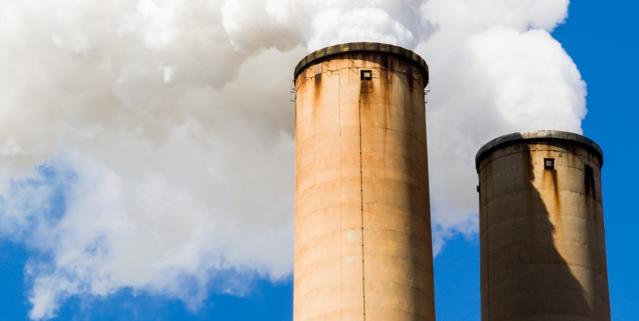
column 362, row 230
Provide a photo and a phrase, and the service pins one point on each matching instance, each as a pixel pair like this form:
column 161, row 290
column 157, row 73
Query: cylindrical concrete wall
column 542, row 241
column 362, row 222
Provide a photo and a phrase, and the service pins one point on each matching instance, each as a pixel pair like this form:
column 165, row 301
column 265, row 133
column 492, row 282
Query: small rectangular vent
column 367, row 74
column 549, row 163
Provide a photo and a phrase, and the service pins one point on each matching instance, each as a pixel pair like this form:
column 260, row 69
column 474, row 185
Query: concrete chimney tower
column 362, row 220
column 543, row 254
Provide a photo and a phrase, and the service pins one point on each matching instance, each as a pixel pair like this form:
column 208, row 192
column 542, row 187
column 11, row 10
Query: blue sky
column 600, row 37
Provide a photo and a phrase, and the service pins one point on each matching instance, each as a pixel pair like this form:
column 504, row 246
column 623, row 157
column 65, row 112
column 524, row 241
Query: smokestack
column 541, row 228
column 362, row 219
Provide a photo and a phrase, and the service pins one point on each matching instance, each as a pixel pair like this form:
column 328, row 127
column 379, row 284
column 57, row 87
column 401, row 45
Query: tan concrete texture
column 362, row 223
column 542, row 232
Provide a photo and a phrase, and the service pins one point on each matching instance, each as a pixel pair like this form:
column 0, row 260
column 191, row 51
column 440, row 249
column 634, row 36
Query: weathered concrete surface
column 362, row 223
column 542, row 230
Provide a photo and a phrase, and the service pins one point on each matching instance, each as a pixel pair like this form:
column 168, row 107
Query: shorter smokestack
column 541, row 228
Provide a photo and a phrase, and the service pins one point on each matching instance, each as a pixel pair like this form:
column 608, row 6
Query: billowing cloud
column 498, row 81
column 148, row 144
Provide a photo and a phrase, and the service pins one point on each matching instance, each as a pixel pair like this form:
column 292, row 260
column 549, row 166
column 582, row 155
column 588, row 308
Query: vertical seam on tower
column 339, row 125
column 361, row 196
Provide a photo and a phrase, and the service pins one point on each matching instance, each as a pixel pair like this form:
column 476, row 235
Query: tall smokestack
column 541, row 228
column 362, row 219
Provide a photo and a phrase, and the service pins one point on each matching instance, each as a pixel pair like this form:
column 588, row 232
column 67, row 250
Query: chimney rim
column 538, row 136
column 353, row 47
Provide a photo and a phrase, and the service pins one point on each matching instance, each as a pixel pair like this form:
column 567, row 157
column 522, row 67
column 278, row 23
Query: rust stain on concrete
column 317, row 86
column 362, row 242
column 541, row 238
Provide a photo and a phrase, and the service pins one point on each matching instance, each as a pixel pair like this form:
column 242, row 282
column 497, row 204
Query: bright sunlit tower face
column 362, row 223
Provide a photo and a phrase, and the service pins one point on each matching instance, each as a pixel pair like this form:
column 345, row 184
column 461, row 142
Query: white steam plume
column 148, row 144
